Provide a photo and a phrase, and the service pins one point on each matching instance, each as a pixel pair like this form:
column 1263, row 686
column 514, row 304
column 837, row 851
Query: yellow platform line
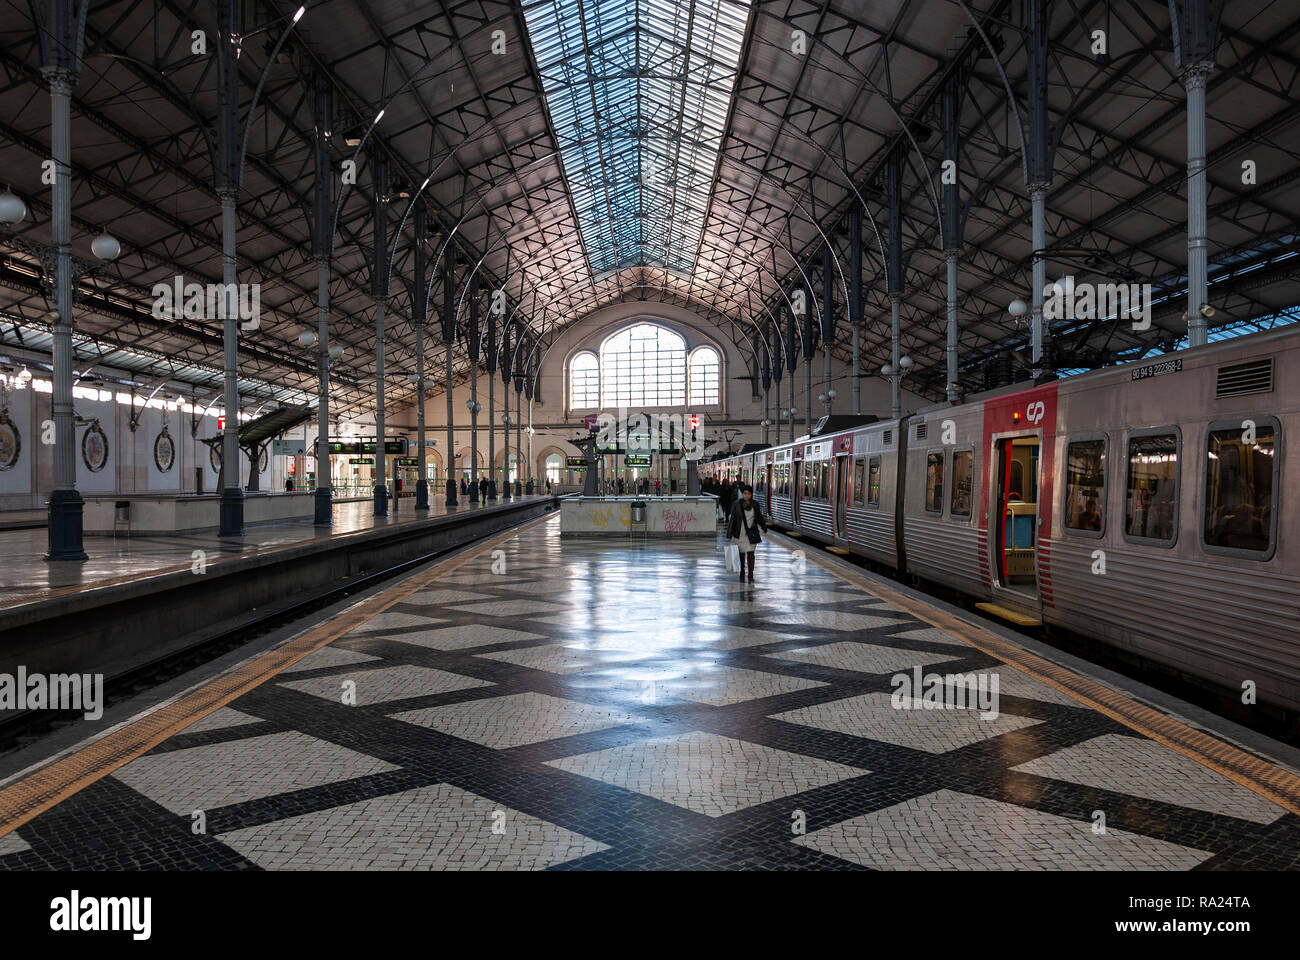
column 31, row 796
column 1267, row 779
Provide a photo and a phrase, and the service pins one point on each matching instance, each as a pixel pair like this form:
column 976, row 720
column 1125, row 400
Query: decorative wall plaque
column 164, row 451
column 94, row 447
column 11, row 441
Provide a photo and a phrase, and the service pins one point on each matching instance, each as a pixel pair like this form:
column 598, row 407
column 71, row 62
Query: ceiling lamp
column 12, row 208
column 105, row 246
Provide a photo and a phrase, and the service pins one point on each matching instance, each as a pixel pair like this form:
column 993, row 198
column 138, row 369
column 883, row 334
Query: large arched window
column 705, row 377
column 584, row 382
column 643, row 366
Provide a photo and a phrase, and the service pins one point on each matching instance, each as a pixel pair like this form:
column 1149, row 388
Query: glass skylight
column 638, row 92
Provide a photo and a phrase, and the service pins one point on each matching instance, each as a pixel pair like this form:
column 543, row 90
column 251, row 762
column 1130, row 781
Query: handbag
column 733, row 558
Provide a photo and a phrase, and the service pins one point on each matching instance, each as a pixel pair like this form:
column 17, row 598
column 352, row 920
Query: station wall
column 128, row 461
column 739, row 413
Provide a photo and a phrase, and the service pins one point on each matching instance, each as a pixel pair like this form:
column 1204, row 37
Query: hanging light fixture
column 105, row 246
column 12, row 208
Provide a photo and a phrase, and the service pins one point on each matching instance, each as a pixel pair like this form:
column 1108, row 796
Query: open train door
column 1015, row 534
column 796, row 481
column 1020, row 435
column 843, row 458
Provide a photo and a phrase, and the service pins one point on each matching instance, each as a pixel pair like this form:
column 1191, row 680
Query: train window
column 1151, row 501
column 815, row 476
column 962, row 470
column 873, row 482
column 1240, row 470
column 934, row 482
column 1085, row 486
column 859, row 481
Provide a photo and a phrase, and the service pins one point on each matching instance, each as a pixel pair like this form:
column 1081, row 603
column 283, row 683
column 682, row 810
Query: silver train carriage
column 1144, row 505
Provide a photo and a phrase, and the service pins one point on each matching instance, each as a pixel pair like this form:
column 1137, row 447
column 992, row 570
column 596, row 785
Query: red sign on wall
column 221, row 422
column 590, row 421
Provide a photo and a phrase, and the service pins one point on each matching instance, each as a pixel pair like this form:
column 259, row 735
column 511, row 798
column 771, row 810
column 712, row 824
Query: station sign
column 407, row 461
column 579, row 462
column 634, row 448
column 362, row 461
column 393, row 445
column 289, row 448
column 637, row 460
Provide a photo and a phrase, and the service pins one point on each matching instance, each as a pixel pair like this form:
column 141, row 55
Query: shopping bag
column 733, row 558
column 721, row 517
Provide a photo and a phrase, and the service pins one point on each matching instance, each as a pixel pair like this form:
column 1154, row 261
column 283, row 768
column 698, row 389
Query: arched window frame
column 712, row 390
column 587, row 363
column 671, row 393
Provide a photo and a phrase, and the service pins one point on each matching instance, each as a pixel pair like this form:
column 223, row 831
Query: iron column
column 228, row 180
column 449, row 340
column 1194, row 78
column 420, row 316
column 323, row 501
column 65, row 504
column 380, row 291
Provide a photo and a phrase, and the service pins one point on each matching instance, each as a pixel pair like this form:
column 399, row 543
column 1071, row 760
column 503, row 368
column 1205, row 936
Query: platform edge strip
column 26, row 799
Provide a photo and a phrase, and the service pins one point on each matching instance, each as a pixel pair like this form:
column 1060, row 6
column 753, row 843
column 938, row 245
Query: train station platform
column 140, row 599
column 537, row 702
column 26, row 576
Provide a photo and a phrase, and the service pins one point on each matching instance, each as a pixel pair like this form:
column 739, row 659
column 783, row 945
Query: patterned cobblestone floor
column 597, row 706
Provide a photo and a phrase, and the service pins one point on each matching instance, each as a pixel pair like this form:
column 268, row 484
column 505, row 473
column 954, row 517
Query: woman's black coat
column 738, row 517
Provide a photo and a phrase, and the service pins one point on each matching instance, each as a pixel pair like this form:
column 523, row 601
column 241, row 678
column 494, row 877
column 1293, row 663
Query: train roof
column 1221, row 350
column 1243, row 344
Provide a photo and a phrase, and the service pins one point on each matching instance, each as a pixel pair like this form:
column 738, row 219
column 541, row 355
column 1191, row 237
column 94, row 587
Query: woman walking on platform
column 744, row 527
